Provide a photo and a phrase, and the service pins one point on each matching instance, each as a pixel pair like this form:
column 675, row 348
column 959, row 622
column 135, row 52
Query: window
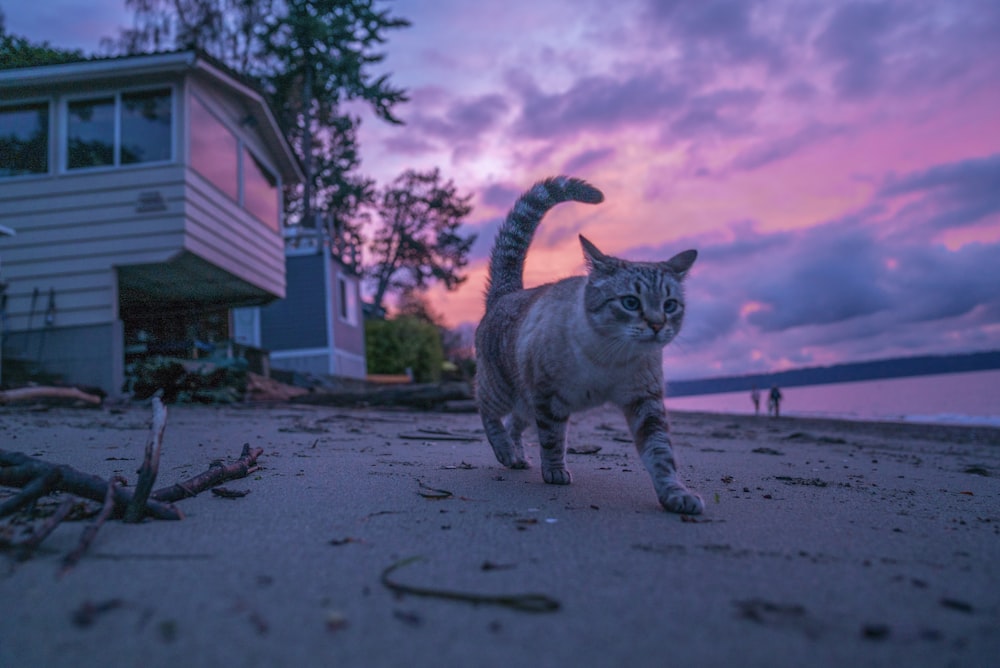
column 214, row 150
column 260, row 191
column 91, row 133
column 222, row 158
column 122, row 129
column 347, row 300
column 24, row 139
column 146, row 126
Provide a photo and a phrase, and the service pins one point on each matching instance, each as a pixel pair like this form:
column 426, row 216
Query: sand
column 824, row 543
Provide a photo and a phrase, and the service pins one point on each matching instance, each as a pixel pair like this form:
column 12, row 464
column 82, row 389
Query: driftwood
column 19, row 470
column 217, row 473
column 428, row 396
column 90, row 531
column 136, row 509
column 37, row 478
column 40, row 392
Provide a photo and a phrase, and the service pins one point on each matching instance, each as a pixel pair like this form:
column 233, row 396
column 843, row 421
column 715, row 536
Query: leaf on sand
column 439, row 435
column 432, row 492
column 522, row 602
column 583, row 449
column 225, row 493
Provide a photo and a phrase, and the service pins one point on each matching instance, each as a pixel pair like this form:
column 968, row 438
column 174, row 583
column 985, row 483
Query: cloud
column 459, row 120
column 585, row 159
column 723, row 112
column 597, row 103
column 953, row 195
column 853, row 41
column 718, row 30
column 768, row 150
column 500, row 195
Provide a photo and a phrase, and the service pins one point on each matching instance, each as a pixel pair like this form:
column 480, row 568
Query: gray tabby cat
column 562, row 347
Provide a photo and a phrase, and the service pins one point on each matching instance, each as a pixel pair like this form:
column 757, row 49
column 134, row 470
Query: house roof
column 182, row 62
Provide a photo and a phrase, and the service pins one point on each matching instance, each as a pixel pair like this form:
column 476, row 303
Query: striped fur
column 555, row 349
column 514, row 236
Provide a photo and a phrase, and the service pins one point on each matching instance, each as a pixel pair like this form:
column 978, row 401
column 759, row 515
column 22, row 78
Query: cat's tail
column 516, row 232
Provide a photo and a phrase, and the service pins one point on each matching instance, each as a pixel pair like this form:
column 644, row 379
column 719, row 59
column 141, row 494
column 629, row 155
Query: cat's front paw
column 557, row 476
column 681, row 500
column 511, row 460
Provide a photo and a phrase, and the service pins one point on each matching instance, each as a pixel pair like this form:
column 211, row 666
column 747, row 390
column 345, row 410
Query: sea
column 971, row 398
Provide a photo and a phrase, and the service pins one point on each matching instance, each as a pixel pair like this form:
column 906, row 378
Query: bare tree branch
column 136, row 510
column 90, row 531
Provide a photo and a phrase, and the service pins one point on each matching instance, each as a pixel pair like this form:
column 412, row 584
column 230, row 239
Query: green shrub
column 393, row 346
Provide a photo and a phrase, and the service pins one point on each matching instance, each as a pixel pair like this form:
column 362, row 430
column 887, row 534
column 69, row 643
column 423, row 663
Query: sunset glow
column 837, row 165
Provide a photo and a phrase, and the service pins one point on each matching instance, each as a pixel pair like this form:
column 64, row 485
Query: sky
column 835, row 164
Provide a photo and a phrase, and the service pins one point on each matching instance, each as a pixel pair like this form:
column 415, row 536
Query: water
column 956, row 398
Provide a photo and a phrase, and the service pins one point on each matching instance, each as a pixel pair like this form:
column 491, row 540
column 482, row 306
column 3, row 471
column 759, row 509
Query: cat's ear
column 681, row 263
column 597, row 262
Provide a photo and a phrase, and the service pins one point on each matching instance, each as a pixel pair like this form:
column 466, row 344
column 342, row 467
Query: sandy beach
column 824, row 543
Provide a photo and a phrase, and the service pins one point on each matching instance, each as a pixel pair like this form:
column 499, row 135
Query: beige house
column 146, row 196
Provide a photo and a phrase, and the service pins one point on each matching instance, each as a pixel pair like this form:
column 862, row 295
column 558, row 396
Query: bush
column 393, row 346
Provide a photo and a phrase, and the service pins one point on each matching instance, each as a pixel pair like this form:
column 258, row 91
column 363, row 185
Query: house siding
column 222, row 233
column 72, row 230
column 299, row 320
column 304, row 331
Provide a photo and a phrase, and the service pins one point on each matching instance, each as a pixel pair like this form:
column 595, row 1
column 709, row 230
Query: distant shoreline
column 903, row 367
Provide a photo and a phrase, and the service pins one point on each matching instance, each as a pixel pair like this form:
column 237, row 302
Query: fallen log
column 426, row 396
column 42, row 392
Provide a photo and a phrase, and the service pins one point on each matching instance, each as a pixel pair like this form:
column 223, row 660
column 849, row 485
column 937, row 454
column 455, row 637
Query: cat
column 555, row 349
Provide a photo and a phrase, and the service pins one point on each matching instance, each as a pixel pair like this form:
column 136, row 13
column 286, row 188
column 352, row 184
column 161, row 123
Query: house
column 318, row 328
column 146, row 195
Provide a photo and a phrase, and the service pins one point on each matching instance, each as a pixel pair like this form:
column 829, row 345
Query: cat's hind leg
column 647, row 419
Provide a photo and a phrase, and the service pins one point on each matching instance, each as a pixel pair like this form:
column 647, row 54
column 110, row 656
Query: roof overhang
column 150, row 65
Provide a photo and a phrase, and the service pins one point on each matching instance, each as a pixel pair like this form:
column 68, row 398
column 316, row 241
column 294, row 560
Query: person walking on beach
column 774, row 402
column 755, row 398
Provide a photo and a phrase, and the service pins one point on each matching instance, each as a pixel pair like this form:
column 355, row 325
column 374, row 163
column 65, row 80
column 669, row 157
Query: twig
column 136, row 509
column 38, row 487
column 30, row 544
column 90, row 531
column 523, row 602
column 19, row 470
column 217, row 473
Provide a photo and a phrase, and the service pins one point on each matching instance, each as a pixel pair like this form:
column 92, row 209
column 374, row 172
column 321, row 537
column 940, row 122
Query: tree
column 17, row 51
column 418, row 241
column 320, row 53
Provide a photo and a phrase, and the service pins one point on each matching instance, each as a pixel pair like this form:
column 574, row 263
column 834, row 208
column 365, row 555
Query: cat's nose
column 655, row 325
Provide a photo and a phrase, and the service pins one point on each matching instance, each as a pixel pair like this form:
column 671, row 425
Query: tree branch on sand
column 37, row 478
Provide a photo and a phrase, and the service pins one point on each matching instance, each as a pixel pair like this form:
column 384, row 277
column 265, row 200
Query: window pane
column 260, row 191
column 91, row 133
column 213, row 149
column 145, row 126
column 24, row 139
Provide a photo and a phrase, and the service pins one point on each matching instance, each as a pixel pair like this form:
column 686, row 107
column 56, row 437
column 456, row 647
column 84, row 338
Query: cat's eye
column 671, row 306
column 630, row 303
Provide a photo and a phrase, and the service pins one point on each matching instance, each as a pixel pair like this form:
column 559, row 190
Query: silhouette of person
column 774, row 402
column 755, row 398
